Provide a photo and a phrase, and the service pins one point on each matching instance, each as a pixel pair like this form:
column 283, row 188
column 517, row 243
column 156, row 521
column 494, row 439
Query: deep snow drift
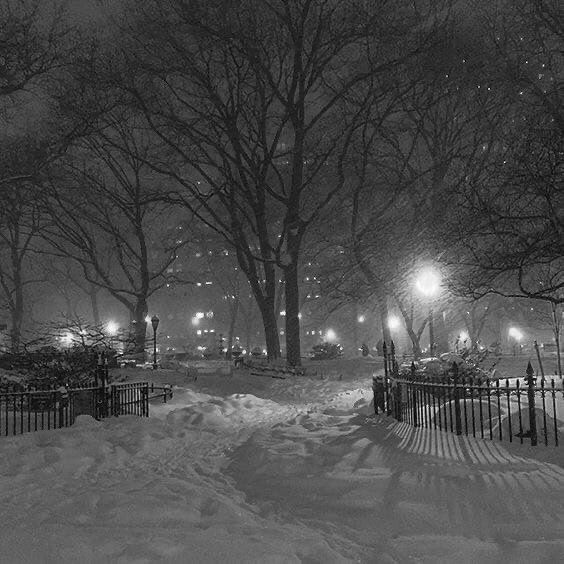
column 298, row 471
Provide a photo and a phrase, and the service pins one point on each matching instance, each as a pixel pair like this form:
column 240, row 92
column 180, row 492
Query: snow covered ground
column 248, row 469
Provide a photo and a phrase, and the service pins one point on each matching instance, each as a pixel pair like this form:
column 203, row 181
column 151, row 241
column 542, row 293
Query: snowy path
column 287, row 472
column 401, row 493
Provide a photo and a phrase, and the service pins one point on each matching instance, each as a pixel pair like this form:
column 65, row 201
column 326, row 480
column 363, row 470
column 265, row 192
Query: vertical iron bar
column 553, row 391
column 509, row 410
column 481, row 387
column 489, row 392
column 531, row 397
column 457, row 400
column 449, row 389
column 465, row 404
column 518, row 387
column 544, row 413
column 497, row 392
column 472, row 393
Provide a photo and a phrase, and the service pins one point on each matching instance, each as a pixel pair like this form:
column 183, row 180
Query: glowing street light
column 517, row 335
column 361, row 318
column 112, row 328
column 393, row 322
column 67, row 339
column 330, row 336
column 428, row 283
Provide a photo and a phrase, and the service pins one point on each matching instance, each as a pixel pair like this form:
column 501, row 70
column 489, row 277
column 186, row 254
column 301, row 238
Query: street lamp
column 393, row 322
column 428, row 283
column 330, row 336
column 517, row 335
column 155, row 323
column 112, row 329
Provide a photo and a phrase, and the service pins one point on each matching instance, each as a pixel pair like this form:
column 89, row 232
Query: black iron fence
column 163, row 393
column 22, row 412
column 512, row 409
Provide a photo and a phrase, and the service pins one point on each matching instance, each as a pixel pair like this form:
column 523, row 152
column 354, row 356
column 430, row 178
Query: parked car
column 326, row 351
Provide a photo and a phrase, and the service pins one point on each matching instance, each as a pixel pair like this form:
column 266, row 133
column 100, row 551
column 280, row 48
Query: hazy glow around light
column 200, row 315
column 515, row 333
column 147, row 319
column 112, row 328
column 393, row 322
column 195, row 320
column 361, row 318
column 330, row 335
column 428, row 282
column 463, row 335
column 67, row 338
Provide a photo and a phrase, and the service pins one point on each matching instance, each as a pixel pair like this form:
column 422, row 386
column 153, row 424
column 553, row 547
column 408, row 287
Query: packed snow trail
column 293, row 471
column 404, row 494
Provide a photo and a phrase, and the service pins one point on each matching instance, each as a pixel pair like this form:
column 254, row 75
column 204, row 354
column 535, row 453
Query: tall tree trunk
column 93, row 295
column 140, row 326
column 270, row 325
column 265, row 293
column 17, row 320
column 415, row 343
column 441, row 333
column 292, row 295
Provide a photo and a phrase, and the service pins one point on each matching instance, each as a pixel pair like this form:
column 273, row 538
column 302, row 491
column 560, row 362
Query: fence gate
column 129, row 399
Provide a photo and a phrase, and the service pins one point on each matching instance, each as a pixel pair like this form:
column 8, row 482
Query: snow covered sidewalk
column 384, row 492
column 298, row 471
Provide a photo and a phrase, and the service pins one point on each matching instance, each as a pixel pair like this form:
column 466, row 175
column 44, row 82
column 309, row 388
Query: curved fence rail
column 512, row 409
column 22, row 412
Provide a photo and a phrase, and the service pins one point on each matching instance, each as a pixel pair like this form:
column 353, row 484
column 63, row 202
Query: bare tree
column 21, row 221
column 34, row 43
column 107, row 215
column 509, row 222
column 258, row 104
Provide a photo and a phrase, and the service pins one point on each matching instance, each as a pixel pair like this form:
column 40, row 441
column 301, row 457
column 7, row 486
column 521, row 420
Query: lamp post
column 155, row 323
column 428, row 283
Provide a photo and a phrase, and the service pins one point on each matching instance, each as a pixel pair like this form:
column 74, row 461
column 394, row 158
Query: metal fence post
column 414, row 395
column 397, row 401
column 145, row 394
column 530, row 379
column 457, row 416
column 385, row 352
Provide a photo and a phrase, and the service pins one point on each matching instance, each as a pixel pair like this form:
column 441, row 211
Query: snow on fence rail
column 475, row 407
column 22, row 412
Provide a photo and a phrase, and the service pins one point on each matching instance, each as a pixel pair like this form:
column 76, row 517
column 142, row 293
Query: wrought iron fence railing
column 25, row 411
column 512, row 409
